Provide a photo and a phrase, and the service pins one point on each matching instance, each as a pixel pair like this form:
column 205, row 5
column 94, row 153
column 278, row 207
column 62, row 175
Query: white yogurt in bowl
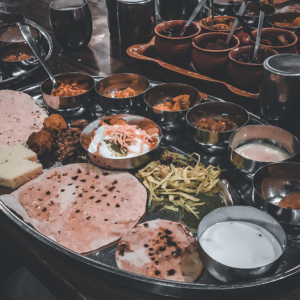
column 240, row 244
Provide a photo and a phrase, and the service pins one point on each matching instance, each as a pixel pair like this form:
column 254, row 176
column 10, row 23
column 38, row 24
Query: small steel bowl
column 271, row 184
column 15, row 68
column 215, row 142
column 116, row 82
column 247, row 214
column 169, row 120
column 14, row 35
column 120, row 163
column 260, row 133
column 69, row 106
column 285, row 18
column 8, row 20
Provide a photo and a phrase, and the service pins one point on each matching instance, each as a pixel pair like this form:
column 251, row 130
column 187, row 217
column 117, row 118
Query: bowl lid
column 285, row 64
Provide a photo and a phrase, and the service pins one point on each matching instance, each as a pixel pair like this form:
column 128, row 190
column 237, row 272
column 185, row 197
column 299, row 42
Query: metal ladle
column 192, row 17
column 258, row 36
column 28, row 38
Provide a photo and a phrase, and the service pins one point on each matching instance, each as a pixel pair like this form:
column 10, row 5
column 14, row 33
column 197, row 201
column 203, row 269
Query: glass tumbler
column 71, row 22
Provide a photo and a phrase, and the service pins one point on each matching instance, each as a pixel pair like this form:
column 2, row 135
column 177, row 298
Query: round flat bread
column 161, row 249
column 20, row 116
column 81, row 206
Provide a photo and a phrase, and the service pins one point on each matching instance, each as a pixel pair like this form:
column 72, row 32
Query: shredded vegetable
column 179, row 185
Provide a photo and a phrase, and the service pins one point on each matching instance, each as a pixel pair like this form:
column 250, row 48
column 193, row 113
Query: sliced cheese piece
column 18, row 171
column 16, row 151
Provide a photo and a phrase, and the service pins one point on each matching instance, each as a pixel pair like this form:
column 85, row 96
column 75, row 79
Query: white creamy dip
column 240, row 244
column 105, row 150
column 262, row 152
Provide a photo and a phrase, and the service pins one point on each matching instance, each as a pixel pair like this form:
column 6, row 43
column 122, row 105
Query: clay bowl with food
column 211, row 124
column 244, row 72
column 222, row 24
column 276, row 189
column 14, row 35
column 281, row 40
column 8, row 20
column 252, row 243
column 106, row 148
column 167, row 104
column 289, row 21
column 172, row 48
column 122, row 93
column 74, row 95
column 255, row 146
column 251, row 15
column 210, row 53
column 17, row 58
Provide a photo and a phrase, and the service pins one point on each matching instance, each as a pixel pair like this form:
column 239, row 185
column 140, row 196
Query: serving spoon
column 28, row 38
column 236, row 22
column 192, row 17
column 211, row 4
column 258, row 36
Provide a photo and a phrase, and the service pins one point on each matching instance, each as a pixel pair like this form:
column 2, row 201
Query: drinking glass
column 176, row 9
column 71, row 22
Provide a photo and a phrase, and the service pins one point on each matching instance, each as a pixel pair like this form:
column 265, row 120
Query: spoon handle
column 236, row 22
column 259, row 29
column 28, row 38
column 192, row 17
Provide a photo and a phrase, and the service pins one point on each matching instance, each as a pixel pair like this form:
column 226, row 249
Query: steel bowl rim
column 80, row 7
column 122, row 115
column 248, row 208
column 266, row 166
column 230, row 140
column 126, row 98
column 172, row 83
column 219, row 103
column 75, row 73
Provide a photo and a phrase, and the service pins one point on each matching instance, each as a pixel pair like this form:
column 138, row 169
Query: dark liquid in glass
column 72, row 25
column 176, row 9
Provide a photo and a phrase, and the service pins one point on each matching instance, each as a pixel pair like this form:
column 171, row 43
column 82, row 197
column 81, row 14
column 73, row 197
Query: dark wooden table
column 100, row 58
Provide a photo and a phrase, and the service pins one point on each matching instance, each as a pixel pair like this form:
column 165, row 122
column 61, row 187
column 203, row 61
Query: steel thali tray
column 101, row 264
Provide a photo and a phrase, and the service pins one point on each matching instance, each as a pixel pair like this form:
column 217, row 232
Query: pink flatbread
column 161, row 249
column 81, row 206
column 20, row 115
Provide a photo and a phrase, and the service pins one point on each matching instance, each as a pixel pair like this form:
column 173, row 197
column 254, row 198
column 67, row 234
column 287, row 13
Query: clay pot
column 290, row 36
column 212, row 63
column 239, row 33
column 175, row 50
column 246, row 76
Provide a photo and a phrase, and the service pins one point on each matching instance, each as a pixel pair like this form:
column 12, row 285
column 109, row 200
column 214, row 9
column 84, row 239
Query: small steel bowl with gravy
column 17, row 58
column 106, row 148
column 74, row 95
column 211, row 124
column 122, row 93
column 168, row 104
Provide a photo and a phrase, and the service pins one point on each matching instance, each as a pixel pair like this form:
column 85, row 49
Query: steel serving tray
column 101, row 265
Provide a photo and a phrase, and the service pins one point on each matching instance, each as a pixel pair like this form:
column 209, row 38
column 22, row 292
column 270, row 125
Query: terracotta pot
column 239, row 33
column 212, row 63
column 246, row 76
column 175, row 50
column 290, row 36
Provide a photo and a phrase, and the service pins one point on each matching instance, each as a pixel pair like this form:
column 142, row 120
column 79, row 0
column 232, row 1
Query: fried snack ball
column 55, row 123
column 40, row 142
